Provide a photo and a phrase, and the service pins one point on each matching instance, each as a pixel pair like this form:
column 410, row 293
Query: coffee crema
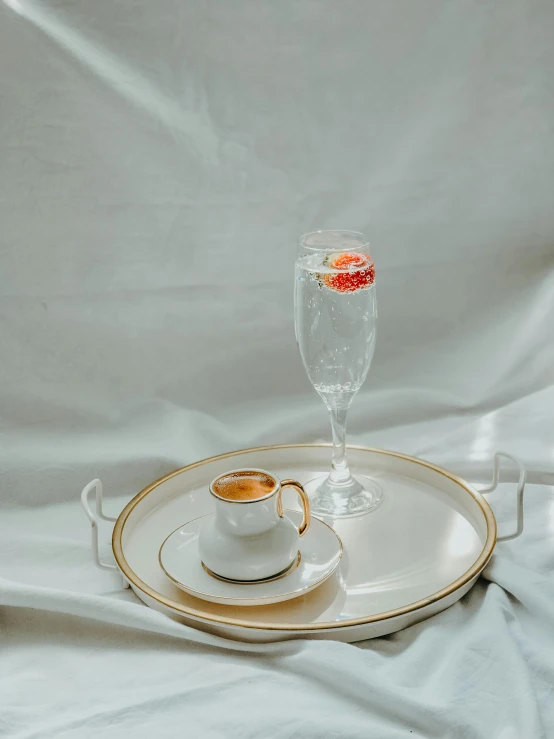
column 244, row 485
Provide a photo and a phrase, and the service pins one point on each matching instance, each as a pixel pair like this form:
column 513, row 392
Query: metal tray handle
column 519, row 493
column 97, row 486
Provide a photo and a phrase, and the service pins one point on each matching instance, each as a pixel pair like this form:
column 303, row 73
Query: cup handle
column 304, row 526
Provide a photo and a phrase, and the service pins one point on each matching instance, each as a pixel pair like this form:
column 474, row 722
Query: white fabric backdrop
column 159, row 161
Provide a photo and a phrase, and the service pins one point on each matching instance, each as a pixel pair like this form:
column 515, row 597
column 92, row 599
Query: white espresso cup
column 250, row 538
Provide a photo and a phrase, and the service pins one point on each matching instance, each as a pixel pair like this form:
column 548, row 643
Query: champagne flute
column 335, row 310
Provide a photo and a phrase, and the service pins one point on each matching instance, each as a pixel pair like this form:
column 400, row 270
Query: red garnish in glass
column 359, row 272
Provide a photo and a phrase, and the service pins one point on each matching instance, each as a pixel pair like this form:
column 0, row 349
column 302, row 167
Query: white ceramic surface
column 251, row 539
column 412, row 557
column 320, row 552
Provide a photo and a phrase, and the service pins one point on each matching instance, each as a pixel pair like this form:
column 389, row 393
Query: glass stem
column 339, row 469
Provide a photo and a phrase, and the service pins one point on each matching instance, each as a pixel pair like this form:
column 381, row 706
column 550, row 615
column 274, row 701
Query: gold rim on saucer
column 199, row 594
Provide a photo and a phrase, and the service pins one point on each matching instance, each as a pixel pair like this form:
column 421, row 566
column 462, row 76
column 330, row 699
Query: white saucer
column 320, row 551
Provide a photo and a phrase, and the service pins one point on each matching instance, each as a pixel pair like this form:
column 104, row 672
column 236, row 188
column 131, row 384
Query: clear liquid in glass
column 335, row 331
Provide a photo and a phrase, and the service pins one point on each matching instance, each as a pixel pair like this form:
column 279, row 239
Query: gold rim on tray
column 193, row 613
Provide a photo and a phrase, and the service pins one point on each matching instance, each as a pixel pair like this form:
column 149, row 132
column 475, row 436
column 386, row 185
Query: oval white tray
column 417, row 554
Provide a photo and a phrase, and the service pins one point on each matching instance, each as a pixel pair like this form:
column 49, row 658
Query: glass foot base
column 356, row 497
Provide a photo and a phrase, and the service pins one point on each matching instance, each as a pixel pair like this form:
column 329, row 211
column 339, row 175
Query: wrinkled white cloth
column 159, row 161
column 82, row 657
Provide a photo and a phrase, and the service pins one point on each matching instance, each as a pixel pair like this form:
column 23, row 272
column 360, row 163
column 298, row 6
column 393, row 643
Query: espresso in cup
column 244, row 485
column 250, row 538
